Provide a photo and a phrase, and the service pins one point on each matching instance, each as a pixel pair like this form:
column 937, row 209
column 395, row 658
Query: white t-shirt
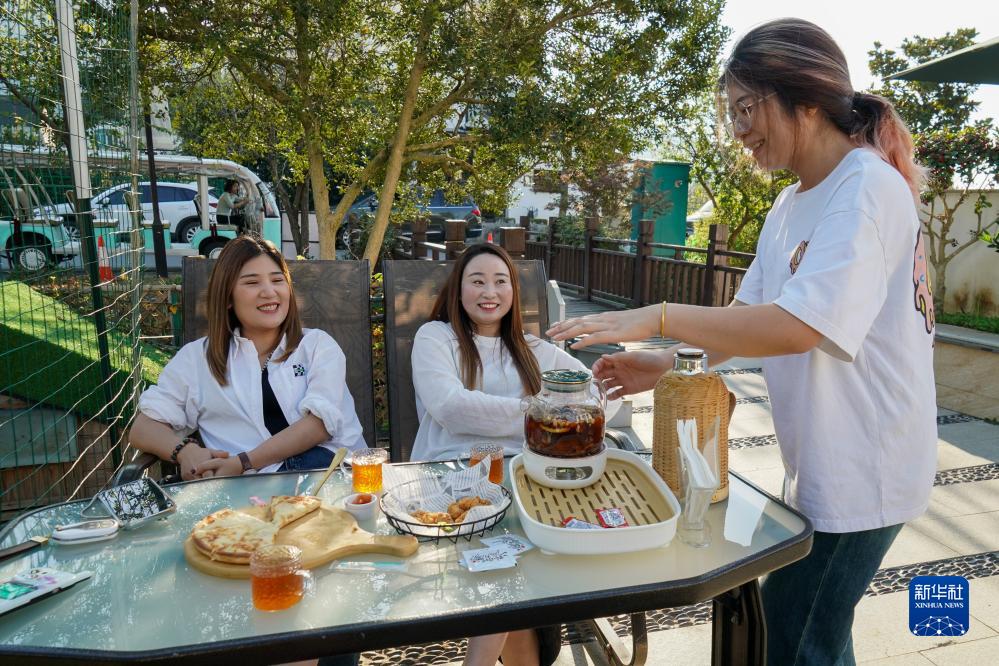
column 453, row 417
column 231, row 417
column 855, row 417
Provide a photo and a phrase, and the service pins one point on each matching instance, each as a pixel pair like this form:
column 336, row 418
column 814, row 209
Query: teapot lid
column 566, row 380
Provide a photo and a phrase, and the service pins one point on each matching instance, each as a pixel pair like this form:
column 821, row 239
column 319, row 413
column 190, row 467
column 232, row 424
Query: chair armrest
column 135, row 469
column 556, row 307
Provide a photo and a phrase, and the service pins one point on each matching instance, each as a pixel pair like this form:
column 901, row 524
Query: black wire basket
column 453, row 532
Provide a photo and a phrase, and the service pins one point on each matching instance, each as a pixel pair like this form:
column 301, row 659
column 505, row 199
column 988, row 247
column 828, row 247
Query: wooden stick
column 337, row 459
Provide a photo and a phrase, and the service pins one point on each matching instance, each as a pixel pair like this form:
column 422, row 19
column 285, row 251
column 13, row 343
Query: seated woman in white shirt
column 264, row 393
column 472, row 365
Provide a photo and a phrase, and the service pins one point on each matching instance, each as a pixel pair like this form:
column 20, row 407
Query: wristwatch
column 244, row 459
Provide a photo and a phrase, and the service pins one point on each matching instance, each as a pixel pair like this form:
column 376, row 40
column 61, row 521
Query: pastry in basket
column 286, row 509
column 457, row 510
column 231, row 536
column 432, row 517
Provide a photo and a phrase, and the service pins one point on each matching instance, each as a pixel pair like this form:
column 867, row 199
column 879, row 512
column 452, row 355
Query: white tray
column 628, row 484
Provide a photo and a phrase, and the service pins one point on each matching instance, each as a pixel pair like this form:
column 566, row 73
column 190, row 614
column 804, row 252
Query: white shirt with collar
column 231, row 417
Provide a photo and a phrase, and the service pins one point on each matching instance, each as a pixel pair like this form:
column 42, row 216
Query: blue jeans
column 809, row 604
column 318, row 457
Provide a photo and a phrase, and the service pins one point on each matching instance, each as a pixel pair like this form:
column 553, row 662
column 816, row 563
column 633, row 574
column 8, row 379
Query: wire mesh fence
column 71, row 359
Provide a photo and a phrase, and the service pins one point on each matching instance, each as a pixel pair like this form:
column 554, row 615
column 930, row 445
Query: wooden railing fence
column 624, row 273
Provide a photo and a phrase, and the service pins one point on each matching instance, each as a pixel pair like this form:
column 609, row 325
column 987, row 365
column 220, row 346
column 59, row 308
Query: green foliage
column 501, row 85
column 976, row 322
column 31, row 71
column 961, row 157
column 966, row 155
column 52, row 341
column 925, row 106
column 992, row 240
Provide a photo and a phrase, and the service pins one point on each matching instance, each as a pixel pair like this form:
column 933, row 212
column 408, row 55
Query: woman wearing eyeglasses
column 838, row 305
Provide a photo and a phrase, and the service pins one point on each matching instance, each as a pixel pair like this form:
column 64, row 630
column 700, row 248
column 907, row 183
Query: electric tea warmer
column 564, row 430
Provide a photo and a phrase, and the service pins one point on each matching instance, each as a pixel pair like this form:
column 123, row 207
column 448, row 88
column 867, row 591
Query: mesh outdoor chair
column 411, row 287
column 332, row 296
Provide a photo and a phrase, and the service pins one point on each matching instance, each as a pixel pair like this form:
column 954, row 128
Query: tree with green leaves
column 387, row 94
column 960, row 165
column 961, row 156
column 31, row 74
column 925, row 106
column 222, row 116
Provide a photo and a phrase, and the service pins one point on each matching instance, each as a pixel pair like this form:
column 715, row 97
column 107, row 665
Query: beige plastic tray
column 628, row 484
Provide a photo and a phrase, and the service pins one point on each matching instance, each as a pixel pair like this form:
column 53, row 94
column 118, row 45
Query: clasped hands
column 203, row 463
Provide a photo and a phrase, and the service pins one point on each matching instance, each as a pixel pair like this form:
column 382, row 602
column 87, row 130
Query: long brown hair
column 448, row 308
column 800, row 64
column 222, row 320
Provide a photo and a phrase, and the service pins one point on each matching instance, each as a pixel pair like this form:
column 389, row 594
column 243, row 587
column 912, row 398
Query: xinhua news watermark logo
column 938, row 605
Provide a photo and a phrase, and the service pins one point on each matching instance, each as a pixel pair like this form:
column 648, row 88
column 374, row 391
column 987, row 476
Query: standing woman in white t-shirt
column 472, row 365
column 838, row 305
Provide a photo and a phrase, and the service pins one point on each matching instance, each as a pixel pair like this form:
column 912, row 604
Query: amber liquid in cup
column 495, row 453
column 275, row 580
column 278, row 592
column 367, row 470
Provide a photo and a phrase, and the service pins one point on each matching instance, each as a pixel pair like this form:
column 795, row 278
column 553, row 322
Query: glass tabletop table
column 143, row 601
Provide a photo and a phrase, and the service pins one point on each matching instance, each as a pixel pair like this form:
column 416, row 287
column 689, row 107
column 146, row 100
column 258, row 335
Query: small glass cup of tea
column 366, row 469
column 479, row 452
column 276, row 577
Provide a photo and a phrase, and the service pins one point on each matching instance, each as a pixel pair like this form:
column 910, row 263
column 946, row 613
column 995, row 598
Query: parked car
column 177, row 207
column 438, row 210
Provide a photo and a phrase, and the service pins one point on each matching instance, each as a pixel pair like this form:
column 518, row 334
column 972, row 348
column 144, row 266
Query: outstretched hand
column 632, row 372
column 604, row 327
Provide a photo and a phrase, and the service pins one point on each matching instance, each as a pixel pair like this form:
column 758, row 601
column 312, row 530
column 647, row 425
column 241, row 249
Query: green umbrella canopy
column 978, row 63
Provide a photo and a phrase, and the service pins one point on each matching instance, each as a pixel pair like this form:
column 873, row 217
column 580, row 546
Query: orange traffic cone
column 103, row 261
column 489, row 237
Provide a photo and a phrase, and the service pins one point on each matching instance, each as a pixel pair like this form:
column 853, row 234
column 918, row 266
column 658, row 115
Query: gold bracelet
column 662, row 322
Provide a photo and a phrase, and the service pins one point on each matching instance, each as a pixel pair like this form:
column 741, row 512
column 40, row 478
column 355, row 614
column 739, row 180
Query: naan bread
column 231, row 536
column 285, row 509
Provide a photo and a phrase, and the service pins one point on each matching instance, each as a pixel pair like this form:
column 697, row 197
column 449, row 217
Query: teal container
column 661, row 195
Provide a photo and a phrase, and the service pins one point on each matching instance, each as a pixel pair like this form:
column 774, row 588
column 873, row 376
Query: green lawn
column 49, row 354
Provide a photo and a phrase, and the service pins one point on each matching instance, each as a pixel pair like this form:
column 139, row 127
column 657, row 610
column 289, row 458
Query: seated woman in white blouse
column 264, row 393
column 472, row 365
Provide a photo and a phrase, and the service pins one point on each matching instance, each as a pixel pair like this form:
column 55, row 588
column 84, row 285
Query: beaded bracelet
column 177, row 449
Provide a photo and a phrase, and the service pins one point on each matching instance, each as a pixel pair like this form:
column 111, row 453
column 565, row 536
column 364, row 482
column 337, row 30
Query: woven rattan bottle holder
column 701, row 397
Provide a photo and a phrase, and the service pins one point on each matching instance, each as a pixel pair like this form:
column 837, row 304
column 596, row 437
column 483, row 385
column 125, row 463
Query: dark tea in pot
column 576, row 432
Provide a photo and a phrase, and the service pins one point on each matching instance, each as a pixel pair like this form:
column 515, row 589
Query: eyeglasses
column 740, row 116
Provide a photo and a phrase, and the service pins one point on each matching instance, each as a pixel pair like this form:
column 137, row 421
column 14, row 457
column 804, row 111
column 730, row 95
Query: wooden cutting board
column 324, row 535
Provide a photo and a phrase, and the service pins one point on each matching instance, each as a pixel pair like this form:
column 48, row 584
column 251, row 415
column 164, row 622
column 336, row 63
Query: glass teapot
column 565, row 420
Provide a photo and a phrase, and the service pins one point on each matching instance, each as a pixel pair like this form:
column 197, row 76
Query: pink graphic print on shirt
column 923, row 298
column 799, row 253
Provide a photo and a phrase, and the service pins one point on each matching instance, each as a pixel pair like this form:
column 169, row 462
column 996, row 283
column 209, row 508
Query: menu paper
column 487, row 559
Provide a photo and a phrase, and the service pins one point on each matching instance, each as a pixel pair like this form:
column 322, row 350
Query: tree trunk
column 563, row 199
column 320, row 190
column 302, row 192
column 395, row 160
